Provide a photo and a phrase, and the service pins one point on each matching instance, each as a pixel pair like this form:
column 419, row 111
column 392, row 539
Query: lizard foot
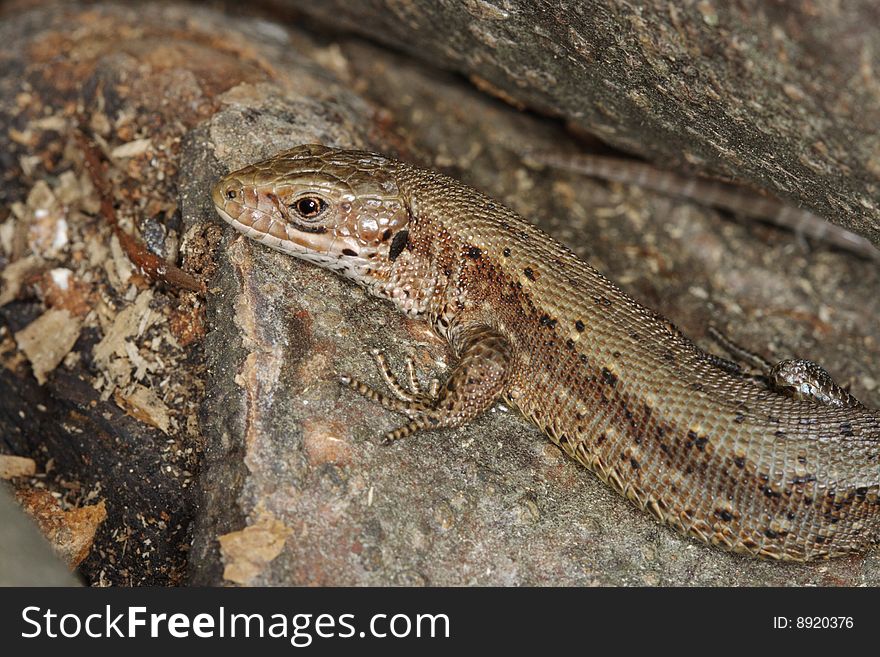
column 796, row 378
column 408, row 397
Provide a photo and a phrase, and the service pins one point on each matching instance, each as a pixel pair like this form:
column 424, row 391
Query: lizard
column 781, row 463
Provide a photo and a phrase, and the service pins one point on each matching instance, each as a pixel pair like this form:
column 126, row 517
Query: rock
column 783, row 98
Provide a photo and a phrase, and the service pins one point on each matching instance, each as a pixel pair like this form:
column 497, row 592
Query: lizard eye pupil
column 309, row 207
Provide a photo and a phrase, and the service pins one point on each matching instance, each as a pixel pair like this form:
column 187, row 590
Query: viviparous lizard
column 780, row 463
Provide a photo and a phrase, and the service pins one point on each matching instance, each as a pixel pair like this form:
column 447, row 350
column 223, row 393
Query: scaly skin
column 781, row 468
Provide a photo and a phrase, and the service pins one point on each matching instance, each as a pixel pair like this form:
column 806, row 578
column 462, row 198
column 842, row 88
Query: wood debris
column 70, row 532
column 248, row 551
column 16, row 466
column 48, row 339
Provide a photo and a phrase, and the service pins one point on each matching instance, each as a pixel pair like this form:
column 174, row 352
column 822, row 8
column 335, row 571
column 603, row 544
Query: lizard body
column 784, row 465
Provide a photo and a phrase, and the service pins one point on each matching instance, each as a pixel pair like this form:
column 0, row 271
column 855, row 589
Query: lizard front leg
column 475, row 383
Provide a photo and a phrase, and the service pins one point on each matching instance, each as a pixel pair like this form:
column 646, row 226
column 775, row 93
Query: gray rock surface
column 783, row 96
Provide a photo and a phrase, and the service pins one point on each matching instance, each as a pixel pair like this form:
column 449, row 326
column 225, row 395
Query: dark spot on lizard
column 506, row 253
column 474, row 253
column 635, row 464
column 569, row 343
column 769, row 533
column 386, row 234
column 600, row 439
column 846, row 429
column 398, row 244
column 769, row 492
column 701, row 443
column 779, row 433
column 740, row 418
column 529, row 273
column 609, row 377
column 579, row 325
column 740, row 462
column 724, row 515
column 349, row 252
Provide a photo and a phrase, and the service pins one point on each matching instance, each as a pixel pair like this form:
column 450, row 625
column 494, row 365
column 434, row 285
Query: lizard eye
column 309, row 207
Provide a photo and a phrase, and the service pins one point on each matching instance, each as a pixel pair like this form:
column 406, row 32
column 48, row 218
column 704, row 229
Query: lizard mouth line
column 266, row 236
column 318, row 252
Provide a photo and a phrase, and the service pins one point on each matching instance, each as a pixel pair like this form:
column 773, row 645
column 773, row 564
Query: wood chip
column 248, row 551
column 48, row 339
column 46, row 222
column 145, row 405
column 15, row 274
column 16, row 466
column 60, row 288
column 71, row 533
column 131, row 149
column 128, row 323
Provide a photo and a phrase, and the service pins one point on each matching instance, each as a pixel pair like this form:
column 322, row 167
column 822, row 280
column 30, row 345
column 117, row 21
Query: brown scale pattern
column 616, row 385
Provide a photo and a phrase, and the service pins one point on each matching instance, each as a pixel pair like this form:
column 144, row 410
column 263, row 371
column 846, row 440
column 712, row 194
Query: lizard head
column 338, row 209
